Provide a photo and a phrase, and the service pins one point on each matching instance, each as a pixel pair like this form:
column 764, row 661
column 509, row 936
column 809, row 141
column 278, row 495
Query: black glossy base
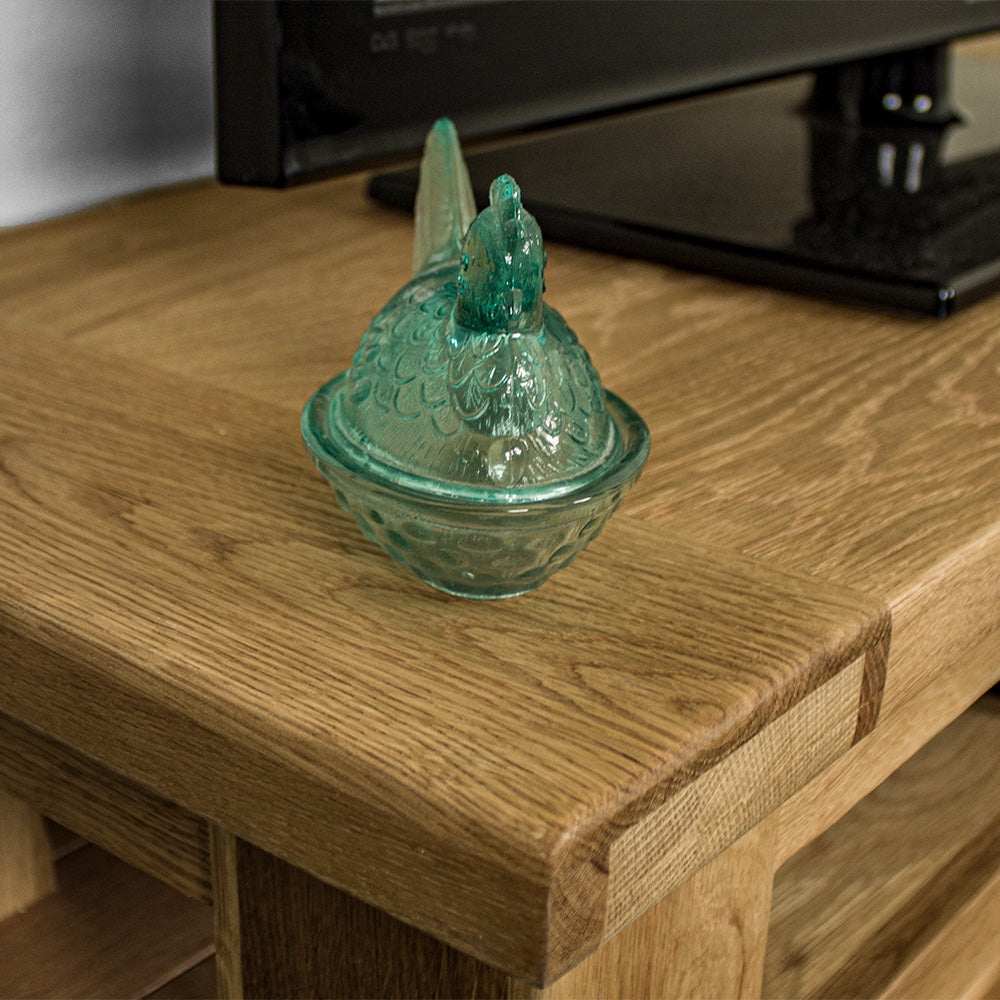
column 750, row 185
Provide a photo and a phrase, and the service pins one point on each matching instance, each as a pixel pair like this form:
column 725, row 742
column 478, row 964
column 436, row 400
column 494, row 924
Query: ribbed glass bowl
column 481, row 543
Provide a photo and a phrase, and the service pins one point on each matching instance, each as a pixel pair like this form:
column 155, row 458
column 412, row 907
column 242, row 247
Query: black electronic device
column 819, row 145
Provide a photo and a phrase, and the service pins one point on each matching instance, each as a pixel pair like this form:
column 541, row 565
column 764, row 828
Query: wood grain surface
column 308, row 939
column 957, row 957
column 283, row 933
column 26, row 873
column 184, row 604
column 661, row 851
column 110, row 932
column 179, row 595
column 900, row 733
column 900, row 897
column 124, row 818
column 859, row 447
column 707, row 939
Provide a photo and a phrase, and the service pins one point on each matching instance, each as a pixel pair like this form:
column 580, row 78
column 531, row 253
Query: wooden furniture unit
column 595, row 789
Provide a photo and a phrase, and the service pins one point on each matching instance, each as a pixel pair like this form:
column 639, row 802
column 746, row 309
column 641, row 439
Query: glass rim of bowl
column 344, row 455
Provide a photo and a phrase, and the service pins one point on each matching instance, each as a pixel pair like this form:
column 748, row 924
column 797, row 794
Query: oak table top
column 182, row 603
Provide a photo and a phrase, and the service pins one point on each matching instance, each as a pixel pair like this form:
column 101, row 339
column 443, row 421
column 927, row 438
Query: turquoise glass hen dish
column 471, row 437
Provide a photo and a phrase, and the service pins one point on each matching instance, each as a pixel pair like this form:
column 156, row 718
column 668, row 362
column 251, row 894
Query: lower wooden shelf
column 901, row 897
column 109, row 931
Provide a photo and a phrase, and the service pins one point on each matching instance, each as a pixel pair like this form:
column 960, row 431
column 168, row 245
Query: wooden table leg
column 26, row 872
column 706, row 939
column 280, row 932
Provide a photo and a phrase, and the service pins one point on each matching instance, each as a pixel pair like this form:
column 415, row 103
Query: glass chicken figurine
column 471, row 437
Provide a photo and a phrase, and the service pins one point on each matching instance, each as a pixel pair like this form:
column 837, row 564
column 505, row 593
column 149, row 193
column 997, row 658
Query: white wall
column 100, row 98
